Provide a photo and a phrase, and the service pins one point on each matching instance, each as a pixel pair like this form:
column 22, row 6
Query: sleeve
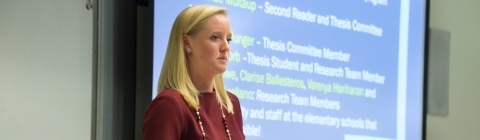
column 163, row 120
column 238, row 114
column 237, row 108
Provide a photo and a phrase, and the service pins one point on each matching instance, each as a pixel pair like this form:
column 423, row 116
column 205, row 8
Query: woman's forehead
column 218, row 23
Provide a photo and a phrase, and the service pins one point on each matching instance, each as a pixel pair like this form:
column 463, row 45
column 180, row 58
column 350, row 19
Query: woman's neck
column 202, row 82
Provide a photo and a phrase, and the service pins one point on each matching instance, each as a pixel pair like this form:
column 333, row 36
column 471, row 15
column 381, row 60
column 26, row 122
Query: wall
column 45, row 70
column 462, row 19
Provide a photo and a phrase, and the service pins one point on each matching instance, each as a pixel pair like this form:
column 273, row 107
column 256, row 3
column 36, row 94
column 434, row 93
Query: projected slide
column 319, row 70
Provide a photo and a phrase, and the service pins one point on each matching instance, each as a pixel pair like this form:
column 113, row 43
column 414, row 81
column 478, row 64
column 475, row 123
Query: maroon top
column 168, row 117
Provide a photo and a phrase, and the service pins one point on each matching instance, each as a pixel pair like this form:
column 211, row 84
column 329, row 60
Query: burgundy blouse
column 168, row 117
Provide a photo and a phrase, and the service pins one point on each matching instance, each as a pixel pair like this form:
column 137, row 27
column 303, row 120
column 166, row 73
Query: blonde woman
column 192, row 103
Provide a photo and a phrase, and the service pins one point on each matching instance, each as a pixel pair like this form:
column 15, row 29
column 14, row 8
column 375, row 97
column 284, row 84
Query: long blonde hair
column 174, row 72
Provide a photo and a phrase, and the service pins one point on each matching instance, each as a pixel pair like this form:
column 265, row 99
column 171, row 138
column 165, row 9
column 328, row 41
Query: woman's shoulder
column 168, row 93
column 170, row 96
column 165, row 116
column 233, row 97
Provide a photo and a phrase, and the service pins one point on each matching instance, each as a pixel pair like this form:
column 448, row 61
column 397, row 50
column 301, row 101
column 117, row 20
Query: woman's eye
column 214, row 37
column 229, row 40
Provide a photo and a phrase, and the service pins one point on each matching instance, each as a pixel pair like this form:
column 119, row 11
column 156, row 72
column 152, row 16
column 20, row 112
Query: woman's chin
column 222, row 70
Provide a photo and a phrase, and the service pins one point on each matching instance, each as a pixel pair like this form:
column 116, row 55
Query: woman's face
column 210, row 46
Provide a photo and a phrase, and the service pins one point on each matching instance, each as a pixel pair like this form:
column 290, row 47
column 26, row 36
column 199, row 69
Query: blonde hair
column 174, row 72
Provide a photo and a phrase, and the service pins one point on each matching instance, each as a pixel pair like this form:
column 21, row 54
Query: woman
column 192, row 103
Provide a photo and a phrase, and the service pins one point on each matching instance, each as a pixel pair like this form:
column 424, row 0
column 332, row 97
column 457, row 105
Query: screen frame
column 145, row 41
column 425, row 67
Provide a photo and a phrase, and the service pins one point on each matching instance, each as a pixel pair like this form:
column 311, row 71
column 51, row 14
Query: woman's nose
column 225, row 46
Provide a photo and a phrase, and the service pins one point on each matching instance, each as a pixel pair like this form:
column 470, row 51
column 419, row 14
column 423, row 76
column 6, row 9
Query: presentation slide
column 319, row 70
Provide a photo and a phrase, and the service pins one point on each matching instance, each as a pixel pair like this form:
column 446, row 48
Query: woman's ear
column 186, row 44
